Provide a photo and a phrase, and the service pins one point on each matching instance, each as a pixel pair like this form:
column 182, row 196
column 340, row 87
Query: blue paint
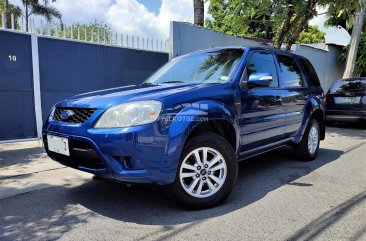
column 17, row 118
column 263, row 118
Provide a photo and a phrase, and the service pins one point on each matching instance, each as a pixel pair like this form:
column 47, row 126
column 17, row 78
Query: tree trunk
column 199, row 12
column 286, row 26
column 303, row 19
column 296, row 33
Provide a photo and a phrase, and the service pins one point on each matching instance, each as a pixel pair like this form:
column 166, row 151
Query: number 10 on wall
column 12, row 58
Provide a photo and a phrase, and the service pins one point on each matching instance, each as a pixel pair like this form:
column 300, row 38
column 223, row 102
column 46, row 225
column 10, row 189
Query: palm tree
column 37, row 8
column 8, row 10
column 199, row 12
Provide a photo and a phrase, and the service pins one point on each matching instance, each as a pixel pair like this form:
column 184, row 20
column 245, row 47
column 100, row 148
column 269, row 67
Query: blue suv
column 190, row 123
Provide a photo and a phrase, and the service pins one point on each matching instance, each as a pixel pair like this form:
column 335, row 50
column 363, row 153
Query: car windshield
column 203, row 67
column 349, row 86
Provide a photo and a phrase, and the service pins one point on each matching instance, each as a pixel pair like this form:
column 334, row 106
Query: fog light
column 128, row 163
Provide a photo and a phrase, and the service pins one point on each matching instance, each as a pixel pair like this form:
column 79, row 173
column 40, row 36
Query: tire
column 217, row 181
column 304, row 150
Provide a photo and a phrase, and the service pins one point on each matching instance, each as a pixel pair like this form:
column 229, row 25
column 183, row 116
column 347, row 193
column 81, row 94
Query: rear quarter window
column 346, row 86
column 310, row 72
column 290, row 71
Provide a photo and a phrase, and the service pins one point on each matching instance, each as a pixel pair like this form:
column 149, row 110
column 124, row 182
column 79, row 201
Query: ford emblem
column 66, row 114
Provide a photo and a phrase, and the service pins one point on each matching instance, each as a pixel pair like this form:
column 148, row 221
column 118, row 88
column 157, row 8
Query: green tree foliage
column 88, row 32
column 91, row 30
column 341, row 13
column 360, row 66
column 311, row 34
column 242, row 18
column 280, row 20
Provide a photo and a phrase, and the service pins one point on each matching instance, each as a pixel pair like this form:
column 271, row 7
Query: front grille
column 81, row 115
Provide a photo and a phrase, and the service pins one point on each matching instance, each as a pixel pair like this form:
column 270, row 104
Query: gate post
column 36, row 84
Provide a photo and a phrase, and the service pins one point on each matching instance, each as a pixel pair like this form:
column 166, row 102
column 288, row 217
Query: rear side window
column 291, row 72
column 348, row 86
column 263, row 62
column 310, row 71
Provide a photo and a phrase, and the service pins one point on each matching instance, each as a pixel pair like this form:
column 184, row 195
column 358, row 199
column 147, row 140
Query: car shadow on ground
column 354, row 129
column 151, row 205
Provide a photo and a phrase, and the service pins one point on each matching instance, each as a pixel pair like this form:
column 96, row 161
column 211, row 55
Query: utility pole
column 355, row 41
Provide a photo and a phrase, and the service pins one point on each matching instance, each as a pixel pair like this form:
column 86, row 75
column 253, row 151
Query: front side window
column 262, row 62
column 204, row 67
column 291, row 72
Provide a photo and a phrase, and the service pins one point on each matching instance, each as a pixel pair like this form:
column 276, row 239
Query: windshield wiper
column 172, row 82
column 148, row 83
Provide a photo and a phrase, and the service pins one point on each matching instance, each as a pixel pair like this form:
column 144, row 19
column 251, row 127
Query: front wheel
column 206, row 173
column 308, row 148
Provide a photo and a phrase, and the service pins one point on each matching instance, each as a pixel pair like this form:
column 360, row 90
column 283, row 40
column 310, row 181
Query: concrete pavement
column 276, row 198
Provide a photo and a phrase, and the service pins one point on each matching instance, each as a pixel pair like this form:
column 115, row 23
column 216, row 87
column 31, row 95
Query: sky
column 150, row 18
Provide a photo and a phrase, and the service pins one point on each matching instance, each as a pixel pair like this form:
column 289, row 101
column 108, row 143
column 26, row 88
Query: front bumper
column 132, row 155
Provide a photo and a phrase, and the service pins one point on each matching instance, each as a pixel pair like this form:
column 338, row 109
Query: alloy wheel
column 203, row 172
column 313, row 140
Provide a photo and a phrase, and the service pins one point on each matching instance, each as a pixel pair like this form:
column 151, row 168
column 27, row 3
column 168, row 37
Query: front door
column 262, row 117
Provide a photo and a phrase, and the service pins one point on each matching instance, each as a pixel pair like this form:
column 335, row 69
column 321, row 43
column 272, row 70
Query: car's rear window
column 348, row 86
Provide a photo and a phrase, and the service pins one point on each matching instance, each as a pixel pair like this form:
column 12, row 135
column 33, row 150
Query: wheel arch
column 217, row 117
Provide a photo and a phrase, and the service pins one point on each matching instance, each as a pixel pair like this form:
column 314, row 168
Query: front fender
column 191, row 116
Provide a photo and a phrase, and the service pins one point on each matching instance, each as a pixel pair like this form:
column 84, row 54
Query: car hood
column 110, row 97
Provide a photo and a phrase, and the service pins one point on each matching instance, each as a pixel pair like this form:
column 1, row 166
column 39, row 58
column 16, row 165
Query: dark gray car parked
column 346, row 100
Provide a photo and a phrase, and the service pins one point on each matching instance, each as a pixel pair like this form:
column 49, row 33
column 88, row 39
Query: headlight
column 130, row 114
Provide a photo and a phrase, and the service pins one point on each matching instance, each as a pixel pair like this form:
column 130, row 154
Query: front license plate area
column 59, row 145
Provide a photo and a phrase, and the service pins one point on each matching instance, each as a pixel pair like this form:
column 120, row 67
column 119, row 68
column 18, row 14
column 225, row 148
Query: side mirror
column 259, row 80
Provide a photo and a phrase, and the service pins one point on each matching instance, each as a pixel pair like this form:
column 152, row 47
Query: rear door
column 347, row 95
column 296, row 92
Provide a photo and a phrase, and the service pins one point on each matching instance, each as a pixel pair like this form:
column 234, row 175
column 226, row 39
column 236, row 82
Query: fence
column 38, row 70
column 186, row 37
column 81, row 33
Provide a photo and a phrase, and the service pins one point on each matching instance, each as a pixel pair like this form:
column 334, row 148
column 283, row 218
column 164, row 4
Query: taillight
column 325, row 100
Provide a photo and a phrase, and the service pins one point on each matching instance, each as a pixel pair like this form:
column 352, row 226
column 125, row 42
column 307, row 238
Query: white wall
column 325, row 62
column 185, row 38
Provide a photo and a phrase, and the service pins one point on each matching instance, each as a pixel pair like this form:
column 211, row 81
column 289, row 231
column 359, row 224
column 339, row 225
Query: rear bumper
column 345, row 115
